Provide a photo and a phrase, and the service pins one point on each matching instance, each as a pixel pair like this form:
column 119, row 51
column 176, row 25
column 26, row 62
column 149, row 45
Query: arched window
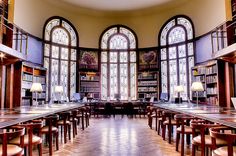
column 118, row 63
column 177, row 55
column 60, row 56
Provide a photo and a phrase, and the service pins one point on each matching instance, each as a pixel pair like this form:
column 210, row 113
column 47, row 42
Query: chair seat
column 223, row 151
column 35, row 140
column 159, row 118
column 173, row 122
column 71, row 119
column 12, row 150
column 187, row 129
column 197, row 140
column 46, row 129
column 154, row 115
column 61, row 122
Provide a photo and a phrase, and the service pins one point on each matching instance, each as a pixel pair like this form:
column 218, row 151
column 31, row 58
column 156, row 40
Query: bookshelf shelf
column 213, row 81
column 90, row 84
column 26, row 74
column 148, row 85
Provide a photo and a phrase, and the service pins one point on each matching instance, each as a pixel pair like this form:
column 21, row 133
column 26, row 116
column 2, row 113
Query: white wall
column 205, row 14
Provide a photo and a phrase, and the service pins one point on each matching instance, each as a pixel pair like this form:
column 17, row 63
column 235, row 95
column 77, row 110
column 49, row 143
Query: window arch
column 177, row 55
column 60, row 53
column 118, row 63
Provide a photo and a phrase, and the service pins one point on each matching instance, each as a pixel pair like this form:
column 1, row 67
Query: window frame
column 59, row 59
column 118, row 51
column 176, row 45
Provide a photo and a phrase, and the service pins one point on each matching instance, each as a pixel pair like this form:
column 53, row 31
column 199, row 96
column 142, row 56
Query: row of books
column 90, row 78
column 212, row 100
column 199, row 71
column 199, row 78
column 39, row 79
column 200, row 94
column 146, row 83
column 89, row 84
column 27, row 77
column 89, row 89
column 145, row 95
column 147, row 89
column 211, row 69
column 39, row 95
column 25, row 102
column 211, row 79
column 212, row 90
column 147, row 76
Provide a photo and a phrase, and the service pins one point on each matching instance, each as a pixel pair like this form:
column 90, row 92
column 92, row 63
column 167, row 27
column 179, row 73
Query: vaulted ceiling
column 117, row 6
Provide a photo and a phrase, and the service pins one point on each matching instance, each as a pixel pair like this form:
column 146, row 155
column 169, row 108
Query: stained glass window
column 176, row 43
column 118, row 64
column 60, row 58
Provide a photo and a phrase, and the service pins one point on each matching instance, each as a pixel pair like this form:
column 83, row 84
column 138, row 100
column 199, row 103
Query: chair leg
column 69, row 131
column 164, row 132
column 50, row 144
column 156, row 123
column 57, row 142
column 177, row 142
column 150, row 122
column 193, row 150
column 65, row 133
column 40, row 149
column 188, row 139
column 169, row 133
column 182, row 144
column 159, row 127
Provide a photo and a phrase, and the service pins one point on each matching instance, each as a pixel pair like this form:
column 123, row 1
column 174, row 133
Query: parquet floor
column 117, row 137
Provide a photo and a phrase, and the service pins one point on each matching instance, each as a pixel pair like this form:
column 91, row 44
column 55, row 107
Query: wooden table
column 221, row 115
column 26, row 113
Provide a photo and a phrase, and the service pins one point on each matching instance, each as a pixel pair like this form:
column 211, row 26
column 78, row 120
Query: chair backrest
column 10, row 133
column 224, row 134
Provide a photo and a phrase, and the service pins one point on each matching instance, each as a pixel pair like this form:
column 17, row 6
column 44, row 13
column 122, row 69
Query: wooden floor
column 117, row 137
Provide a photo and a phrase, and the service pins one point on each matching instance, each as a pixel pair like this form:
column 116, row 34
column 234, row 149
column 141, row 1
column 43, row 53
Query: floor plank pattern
column 116, row 137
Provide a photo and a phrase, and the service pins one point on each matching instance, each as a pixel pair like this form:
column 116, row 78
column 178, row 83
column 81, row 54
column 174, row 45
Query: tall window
column 177, row 55
column 60, row 56
column 118, row 63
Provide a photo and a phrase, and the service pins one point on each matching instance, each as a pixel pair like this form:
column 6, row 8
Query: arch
column 176, row 55
column 60, row 55
column 118, row 46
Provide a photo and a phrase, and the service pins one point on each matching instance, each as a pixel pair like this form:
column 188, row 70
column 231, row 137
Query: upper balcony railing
column 223, row 36
column 13, row 36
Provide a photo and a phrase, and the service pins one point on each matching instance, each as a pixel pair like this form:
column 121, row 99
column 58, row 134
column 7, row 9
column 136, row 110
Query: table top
column 221, row 115
column 9, row 117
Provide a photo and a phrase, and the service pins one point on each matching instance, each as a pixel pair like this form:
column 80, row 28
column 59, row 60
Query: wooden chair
column 183, row 128
column 31, row 138
column 74, row 121
column 201, row 137
column 169, row 121
column 151, row 113
column 226, row 134
column 65, row 124
column 7, row 149
column 51, row 129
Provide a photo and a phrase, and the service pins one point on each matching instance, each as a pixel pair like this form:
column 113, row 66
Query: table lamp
column 36, row 87
column 58, row 90
column 179, row 89
column 197, row 87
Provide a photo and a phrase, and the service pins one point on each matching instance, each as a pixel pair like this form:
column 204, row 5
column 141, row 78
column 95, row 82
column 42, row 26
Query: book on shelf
column 211, row 69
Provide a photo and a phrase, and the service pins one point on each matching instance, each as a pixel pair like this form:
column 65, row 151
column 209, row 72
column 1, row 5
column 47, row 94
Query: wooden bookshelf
column 26, row 74
column 90, row 84
column 211, row 74
column 148, row 85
